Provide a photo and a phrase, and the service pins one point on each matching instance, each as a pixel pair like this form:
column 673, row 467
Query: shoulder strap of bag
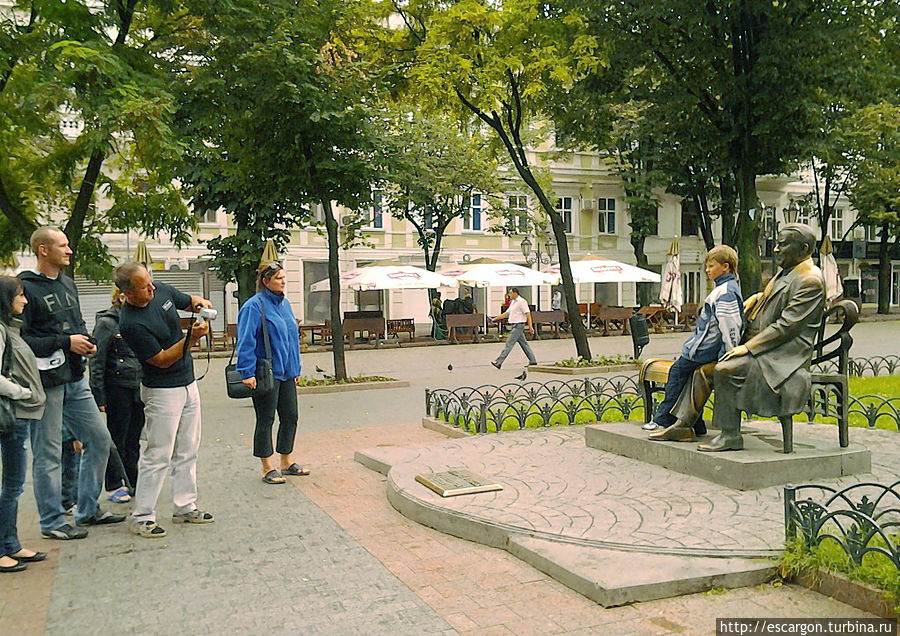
column 265, row 330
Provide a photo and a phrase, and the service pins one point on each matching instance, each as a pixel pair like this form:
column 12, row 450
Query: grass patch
column 619, row 409
column 887, row 386
column 313, row 381
column 602, row 361
column 876, row 569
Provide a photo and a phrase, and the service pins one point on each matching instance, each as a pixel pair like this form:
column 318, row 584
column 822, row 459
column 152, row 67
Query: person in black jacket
column 56, row 333
column 116, row 384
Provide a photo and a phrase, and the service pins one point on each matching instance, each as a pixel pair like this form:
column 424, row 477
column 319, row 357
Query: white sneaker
column 650, row 426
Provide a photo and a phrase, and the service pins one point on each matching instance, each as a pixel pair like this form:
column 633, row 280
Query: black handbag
column 7, row 408
column 265, row 378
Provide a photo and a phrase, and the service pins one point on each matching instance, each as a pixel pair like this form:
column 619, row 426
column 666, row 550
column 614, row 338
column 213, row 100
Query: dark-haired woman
column 284, row 340
column 20, row 381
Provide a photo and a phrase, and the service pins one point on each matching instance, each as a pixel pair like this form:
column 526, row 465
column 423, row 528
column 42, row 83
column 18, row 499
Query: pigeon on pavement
column 523, row 376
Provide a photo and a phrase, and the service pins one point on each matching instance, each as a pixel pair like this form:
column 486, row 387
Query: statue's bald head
column 803, row 234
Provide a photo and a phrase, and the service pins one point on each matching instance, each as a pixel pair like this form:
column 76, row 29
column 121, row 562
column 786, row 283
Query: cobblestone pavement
column 327, row 553
column 554, row 486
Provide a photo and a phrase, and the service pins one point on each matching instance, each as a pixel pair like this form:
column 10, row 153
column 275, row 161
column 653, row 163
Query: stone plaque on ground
column 457, row 482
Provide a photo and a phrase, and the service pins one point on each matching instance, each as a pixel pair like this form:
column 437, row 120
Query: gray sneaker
column 194, row 516
column 65, row 532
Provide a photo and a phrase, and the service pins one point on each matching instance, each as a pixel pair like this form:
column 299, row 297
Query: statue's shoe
column 673, row 434
column 722, row 443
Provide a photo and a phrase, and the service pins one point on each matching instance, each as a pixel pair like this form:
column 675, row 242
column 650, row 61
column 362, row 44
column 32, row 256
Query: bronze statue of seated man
column 769, row 373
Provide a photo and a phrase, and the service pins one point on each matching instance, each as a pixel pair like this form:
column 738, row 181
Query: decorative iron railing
column 567, row 402
column 864, row 367
column 863, row 518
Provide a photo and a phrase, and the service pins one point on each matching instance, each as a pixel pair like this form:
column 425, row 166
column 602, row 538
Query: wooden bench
column 552, row 318
column 655, row 372
column 396, row 326
column 456, row 321
column 371, row 326
column 687, row 317
column 322, row 331
column 615, row 318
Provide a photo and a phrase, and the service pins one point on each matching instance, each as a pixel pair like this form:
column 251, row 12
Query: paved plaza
column 328, row 554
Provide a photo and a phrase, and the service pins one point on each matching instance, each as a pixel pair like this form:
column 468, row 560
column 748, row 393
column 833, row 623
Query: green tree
column 283, row 98
column 433, row 171
column 84, row 108
column 498, row 60
column 742, row 75
column 875, row 182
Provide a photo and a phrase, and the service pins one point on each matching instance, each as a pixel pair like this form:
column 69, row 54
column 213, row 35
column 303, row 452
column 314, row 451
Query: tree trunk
column 727, row 209
column 884, row 271
column 747, row 233
column 14, row 214
column 334, row 280
column 75, row 226
column 246, row 282
column 704, row 220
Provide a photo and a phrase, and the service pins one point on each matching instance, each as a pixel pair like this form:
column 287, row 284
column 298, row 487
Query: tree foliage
column 85, row 110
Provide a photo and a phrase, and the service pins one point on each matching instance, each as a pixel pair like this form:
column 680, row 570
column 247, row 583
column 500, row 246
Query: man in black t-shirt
column 150, row 324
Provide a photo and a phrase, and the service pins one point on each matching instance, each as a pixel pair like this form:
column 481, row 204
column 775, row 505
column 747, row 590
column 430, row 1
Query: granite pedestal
column 759, row 465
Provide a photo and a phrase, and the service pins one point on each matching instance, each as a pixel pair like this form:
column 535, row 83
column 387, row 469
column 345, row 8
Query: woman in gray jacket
column 20, row 381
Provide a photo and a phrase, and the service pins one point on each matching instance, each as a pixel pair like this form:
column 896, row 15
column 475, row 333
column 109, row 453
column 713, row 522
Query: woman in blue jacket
column 284, row 339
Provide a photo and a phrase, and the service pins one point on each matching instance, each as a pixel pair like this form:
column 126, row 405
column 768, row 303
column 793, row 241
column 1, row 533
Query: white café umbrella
column 833, row 286
column 670, row 294
column 388, row 275
column 488, row 272
column 595, row 269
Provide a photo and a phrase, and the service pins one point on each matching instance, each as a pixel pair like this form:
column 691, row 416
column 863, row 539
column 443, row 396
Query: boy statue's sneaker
column 101, row 518
column 65, row 532
column 148, row 529
column 194, row 516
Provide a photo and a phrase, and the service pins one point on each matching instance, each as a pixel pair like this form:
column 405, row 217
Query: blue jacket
column 284, row 336
column 720, row 324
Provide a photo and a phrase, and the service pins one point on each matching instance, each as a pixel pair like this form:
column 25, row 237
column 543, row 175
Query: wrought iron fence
column 862, row 518
column 864, row 367
column 567, row 402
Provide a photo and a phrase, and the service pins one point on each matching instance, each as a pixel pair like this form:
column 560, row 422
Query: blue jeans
column 679, row 375
column 74, row 402
column 15, row 459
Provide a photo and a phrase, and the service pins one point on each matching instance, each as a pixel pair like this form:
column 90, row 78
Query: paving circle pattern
column 555, row 487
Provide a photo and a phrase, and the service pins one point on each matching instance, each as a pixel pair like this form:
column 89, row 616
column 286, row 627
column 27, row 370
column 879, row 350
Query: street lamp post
column 540, row 254
column 790, row 214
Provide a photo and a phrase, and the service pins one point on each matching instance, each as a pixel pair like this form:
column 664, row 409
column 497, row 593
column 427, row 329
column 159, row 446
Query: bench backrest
column 372, row 325
column 614, row 313
column 557, row 315
column 848, row 312
column 465, row 320
column 366, row 313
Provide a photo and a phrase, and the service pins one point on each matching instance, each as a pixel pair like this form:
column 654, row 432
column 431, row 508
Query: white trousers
column 172, row 440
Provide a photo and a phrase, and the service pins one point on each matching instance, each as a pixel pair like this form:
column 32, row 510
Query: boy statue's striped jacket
column 720, row 324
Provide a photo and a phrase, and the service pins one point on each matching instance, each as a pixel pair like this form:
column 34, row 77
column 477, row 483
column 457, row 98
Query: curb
column 549, row 368
column 358, row 386
column 853, row 593
column 439, row 426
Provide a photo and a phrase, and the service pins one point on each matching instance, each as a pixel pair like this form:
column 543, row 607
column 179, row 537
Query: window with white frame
column 768, row 222
column 804, row 214
column 836, row 224
column 376, row 212
column 873, row 233
column 606, row 215
column 208, row 216
column 518, row 210
column 564, row 207
column 690, row 286
column 472, row 217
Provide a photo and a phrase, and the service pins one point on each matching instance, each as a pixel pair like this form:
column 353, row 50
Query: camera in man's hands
column 206, row 313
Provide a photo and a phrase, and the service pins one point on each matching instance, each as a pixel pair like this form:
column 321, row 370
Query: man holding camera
column 150, row 324
column 56, row 333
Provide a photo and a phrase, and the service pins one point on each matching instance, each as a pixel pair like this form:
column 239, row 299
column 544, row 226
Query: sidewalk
column 326, row 553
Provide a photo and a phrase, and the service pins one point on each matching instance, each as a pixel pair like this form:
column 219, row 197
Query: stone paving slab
column 761, row 462
column 555, row 487
column 613, row 577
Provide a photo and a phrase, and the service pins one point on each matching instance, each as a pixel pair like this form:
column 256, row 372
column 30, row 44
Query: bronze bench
column 655, row 372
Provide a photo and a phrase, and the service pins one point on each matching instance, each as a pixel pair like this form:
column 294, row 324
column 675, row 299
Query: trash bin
column 640, row 335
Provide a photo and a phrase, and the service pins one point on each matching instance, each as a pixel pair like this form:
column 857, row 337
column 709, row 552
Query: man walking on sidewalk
column 150, row 325
column 55, row 331
column 519, row 316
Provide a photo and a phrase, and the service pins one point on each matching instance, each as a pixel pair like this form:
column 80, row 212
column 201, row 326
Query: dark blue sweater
column 283, row 336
